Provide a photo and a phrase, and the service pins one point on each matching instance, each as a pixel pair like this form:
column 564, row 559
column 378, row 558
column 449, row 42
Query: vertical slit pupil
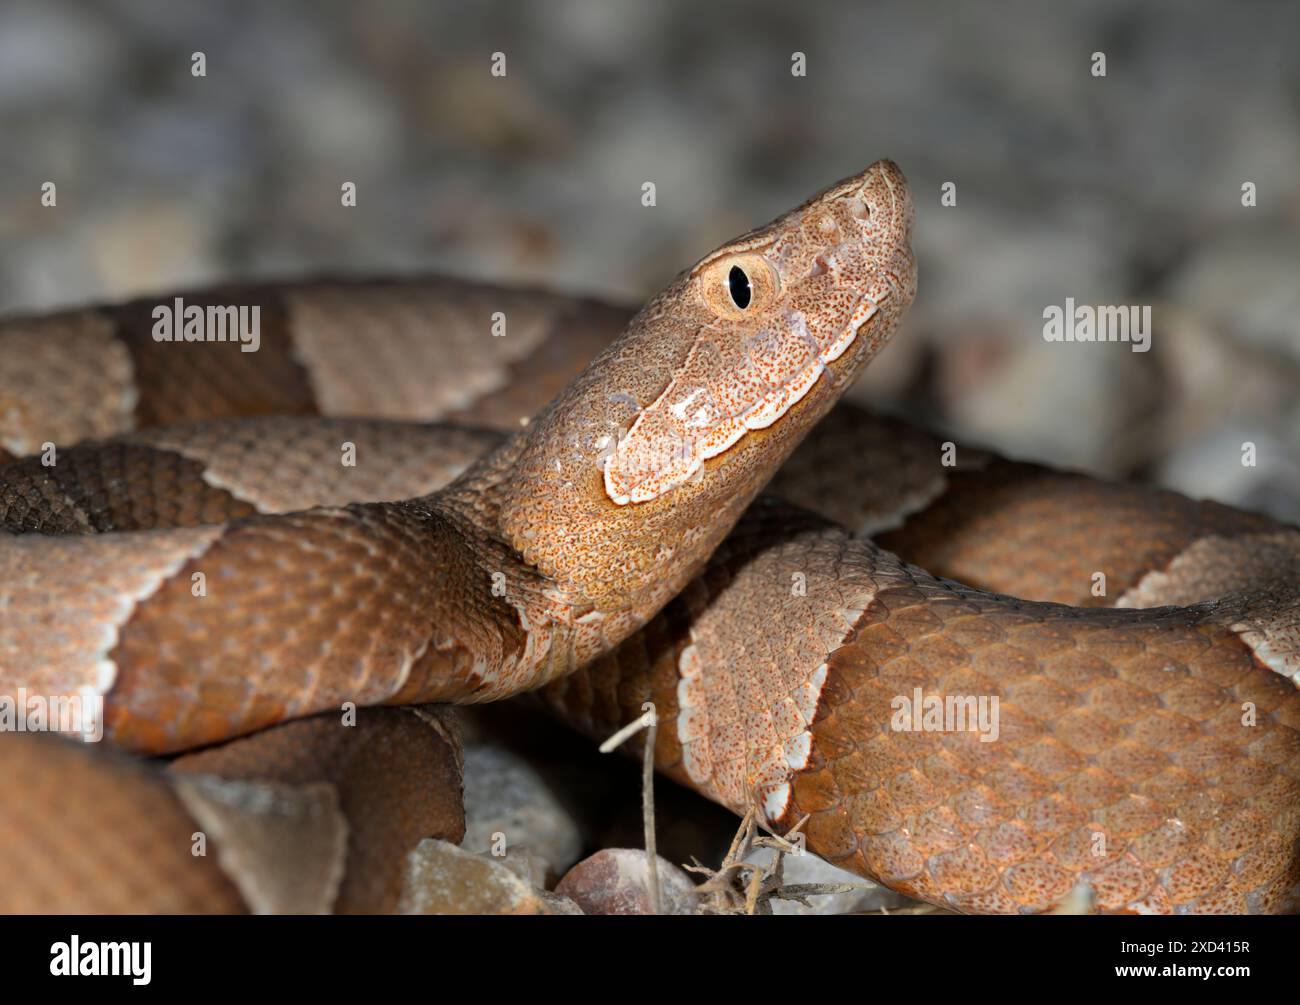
column 738, row 285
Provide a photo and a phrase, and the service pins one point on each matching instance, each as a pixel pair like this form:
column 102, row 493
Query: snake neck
column 501, row 624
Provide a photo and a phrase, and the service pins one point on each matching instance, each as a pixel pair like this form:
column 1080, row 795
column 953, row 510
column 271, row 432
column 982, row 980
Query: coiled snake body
column 212, row 576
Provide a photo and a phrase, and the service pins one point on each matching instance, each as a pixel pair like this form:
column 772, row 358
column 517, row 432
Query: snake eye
column 738, row 287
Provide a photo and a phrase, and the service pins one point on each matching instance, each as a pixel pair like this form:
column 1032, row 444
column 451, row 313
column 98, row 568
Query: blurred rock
column 601, row 792
column 808, row 868
column 988, row 265
column 1212, row 468
column 1245, row 281
column 527, row 865
column 509, row 806
column 616, row 881
column 444, row 879
column 1079, row 405
column 51, row 52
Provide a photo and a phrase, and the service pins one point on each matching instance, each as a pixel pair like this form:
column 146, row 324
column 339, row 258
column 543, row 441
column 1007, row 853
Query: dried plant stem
column 650, row 723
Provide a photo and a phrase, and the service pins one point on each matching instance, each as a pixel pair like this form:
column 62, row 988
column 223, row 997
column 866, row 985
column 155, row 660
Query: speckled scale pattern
column 428, row 351
column 66, row 377
column 417, row 349
column 1122, row 759
column 93, row 488
column 217, row 471
column 188, row 381
column 1002, row 525
column 299, row 613
column 281, row 463
column 65, row 600
column 866, row 472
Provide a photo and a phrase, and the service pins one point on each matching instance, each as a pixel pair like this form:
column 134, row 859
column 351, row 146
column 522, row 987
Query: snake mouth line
column 682, row 459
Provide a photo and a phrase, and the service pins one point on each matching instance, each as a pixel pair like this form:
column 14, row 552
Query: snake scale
column 514, row 520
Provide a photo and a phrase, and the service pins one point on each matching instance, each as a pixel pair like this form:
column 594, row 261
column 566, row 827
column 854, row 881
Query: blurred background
column 1119, row 190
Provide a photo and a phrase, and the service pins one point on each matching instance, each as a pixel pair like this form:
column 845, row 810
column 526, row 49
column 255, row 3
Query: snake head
column 792, row 310
column 630, row 478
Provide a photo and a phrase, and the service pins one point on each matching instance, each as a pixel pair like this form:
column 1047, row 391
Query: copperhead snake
column 614, row 549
